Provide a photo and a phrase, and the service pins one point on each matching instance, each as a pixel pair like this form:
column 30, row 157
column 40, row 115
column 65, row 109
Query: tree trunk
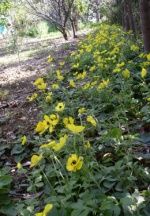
column 126, row 17
column 129, row 20
column 145, row 23
column 73, row 29
column 64, row 33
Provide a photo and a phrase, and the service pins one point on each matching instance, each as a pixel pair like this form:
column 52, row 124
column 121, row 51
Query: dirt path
column 18, row 116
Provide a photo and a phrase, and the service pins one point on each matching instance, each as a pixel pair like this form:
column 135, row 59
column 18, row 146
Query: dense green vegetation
column 89, row 152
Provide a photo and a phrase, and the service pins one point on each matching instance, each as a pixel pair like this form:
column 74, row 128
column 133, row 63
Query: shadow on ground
column 18, row 116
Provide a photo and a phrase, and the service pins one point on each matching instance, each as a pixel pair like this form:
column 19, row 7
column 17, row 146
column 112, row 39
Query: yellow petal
column 75, row 129
column 35, row 159
column 39, row 81
column 144, row 72
column 24, row 139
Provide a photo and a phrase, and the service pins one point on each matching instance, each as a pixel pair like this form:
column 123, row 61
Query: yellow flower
column 73, row 53
column 48, row 97
column 148, row 57
column 39, row 81
column 142, row 55
column 35, row 159
column 54, row 145
column 81, row 110
column 50, row 144
column 103, row 84
column 55, row 86
column 61, row 63
column 48, row 123
column 32, row 97
column 92, row 68
column 144, row 72
column 83, row 75
column 51, row 121
column 47, row 208
column 60, row 107
column 126, row 73
column 62, row 142
column 81, row 51
column 54, row 119
column 68, row 120
column 74, row 163
column 116, row 70
column 134, row 48
column 88, row 145
column 42, row 86
column 23, row 139
column 148, row 99
column 76, row 65
column 79, row 76
column 86, row 86
column 72, row 83
column 120, row 65
column 19, row 165
column 59, row 75
column 49, row 59
column 94, row 83
column 91, row 120
column 75, row 129
column 41, row 127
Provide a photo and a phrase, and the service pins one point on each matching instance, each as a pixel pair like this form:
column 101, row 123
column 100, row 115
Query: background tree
column 144, row 7
column 78, row 11
column 56, row 12
column 4, row 6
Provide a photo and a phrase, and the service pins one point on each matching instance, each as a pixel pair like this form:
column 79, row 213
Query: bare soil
column 18, row 71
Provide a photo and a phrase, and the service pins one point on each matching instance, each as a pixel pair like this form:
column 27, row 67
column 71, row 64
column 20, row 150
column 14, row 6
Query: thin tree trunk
column 145, row 23
column 64, row 33
column 131, row 19
column 129, row 16
column 126, row 16
column 122, row 16
column 73, row 28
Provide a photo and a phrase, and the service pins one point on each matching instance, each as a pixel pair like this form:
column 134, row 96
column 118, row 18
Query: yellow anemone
column 74, row 163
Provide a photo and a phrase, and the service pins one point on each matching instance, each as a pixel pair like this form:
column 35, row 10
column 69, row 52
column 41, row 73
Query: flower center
column 73, row 162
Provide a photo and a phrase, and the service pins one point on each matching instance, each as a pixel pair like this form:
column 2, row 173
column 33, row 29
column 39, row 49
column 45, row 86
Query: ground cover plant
column 90, row 152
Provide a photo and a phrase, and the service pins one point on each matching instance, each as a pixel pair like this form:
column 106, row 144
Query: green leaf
column 4, row 147
column 116, row 132
column 78, row 204
column 9, row 210
column 108, row 184
column 80, row 212
column 4, row 199
column 5, row 180
column 17, row 149
column 4, row 171
column 116, row 210
column 126, row 201
column 118, row 164
column 39, row 184
column 145, row 137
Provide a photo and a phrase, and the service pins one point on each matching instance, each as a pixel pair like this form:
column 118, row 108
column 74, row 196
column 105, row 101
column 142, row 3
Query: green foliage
column 106, row 69
column 5, row 5
column 86, row 157
column 32, row 32
column 6, row 204
column 51, row 28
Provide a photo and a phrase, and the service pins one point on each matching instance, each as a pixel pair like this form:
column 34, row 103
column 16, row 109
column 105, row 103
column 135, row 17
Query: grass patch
column 4, row 94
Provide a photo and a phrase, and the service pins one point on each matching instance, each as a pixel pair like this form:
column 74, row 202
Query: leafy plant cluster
column 87, row 158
